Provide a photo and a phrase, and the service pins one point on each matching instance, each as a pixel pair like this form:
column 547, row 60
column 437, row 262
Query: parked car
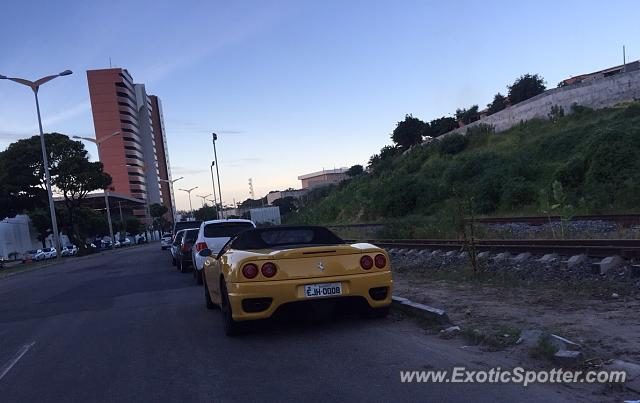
column 175, row 245
column 35, row 254
column 165, row 242
column 214, row 234
column 125, row 242
column 69, row 250
column 180, row 225
column 50, row 253
column 262, row 269
column 183, row 252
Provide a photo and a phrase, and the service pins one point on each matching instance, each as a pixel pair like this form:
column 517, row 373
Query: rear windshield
column 33, row 251
column 280, row 237
column 191, row 235
column 46, row 250
column 180, row 225
column 226, row 230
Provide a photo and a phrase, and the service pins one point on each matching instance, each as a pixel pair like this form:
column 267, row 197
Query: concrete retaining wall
column 594, row 94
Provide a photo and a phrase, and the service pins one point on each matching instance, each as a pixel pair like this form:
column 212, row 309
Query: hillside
column 593, row 155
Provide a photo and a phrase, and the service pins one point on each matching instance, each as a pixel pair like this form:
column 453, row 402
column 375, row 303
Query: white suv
column 214, row 235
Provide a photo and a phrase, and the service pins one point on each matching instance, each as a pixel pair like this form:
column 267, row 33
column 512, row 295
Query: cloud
column 243, row 161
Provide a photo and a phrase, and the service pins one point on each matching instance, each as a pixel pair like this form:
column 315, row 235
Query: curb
column 424, row 311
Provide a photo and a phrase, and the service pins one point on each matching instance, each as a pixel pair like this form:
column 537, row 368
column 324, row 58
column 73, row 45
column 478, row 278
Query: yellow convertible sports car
column 261, row 270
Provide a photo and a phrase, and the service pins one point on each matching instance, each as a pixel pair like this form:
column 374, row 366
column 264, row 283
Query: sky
column 293, row 87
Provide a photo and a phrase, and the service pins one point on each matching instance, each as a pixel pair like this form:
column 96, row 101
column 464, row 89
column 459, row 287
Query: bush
column 632, row 111
column 478, row 135
column 518, row 192
column 452, row 144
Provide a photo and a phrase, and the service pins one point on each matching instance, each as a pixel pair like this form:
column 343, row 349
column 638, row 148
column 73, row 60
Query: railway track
column 625, row 248
column 624, row 220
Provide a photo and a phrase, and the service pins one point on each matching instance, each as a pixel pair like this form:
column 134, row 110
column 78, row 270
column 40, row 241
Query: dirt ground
column 607, row 328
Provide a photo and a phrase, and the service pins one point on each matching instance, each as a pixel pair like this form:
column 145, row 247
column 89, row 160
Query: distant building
column 632, row 66
column 323, row 178
column 275, row 195
column 137, row 159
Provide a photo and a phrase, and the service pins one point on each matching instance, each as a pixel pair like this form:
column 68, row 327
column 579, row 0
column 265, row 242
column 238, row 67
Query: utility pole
column 189, row 193
column 215, row 156
column 35, row 86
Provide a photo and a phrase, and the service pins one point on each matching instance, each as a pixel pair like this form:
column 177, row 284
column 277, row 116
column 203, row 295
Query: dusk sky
column 293, row 87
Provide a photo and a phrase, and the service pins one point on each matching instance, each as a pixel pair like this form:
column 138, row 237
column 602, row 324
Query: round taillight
column 269, row 269
column 366, row 262
column 250, row 270
column 380, row 261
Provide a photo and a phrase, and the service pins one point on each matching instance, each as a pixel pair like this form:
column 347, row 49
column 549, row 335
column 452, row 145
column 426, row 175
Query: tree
column 41, row 221
column 158, row 211
column 133, row 225
column 75, row 177
column 355, row 170
column 442, row 125
column 408, row 132
column 22, row 176
column 206, row 213
column 287, row 205
column 499, row 103
column 525, row 87
column 467, row 116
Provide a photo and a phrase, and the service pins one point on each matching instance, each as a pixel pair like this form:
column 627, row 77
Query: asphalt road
column 127, row 326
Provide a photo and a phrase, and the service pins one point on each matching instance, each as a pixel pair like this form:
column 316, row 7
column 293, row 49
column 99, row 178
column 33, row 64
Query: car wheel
column 198, row 276
column 179, row 265
column 173, row 261
column 207, row 298
column 231, row 327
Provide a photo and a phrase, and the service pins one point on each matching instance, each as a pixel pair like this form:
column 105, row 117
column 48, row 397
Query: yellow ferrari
column 264, row 269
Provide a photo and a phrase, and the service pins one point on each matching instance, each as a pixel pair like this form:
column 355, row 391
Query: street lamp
column 106, row 191
column 213, row 185
column 203, row 198
column 214, row 137
column 35, row 86
column 189, row 192
column 171, row 182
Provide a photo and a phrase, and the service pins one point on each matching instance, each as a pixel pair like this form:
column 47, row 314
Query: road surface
column 126, row 326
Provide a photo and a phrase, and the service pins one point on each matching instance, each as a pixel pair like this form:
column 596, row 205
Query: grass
column 543, row 349
column 495, row 338
column 593, row 154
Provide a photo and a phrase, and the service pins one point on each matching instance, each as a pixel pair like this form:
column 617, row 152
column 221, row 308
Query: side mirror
column 205, row 252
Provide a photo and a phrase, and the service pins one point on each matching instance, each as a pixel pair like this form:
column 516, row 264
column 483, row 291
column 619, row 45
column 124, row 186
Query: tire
column 173, row 261
column 231, row 327
column 181, row 266
column 207, row 297
column 198, row 277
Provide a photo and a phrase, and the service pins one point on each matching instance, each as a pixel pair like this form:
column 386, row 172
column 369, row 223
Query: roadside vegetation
column 578, row 162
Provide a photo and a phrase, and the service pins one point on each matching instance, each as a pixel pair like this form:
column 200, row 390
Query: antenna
column 624, row 58
column 251, row 192
column 109, row 61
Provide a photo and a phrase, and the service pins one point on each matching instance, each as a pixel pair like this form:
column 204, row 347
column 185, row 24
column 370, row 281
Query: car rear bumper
column 286, row 291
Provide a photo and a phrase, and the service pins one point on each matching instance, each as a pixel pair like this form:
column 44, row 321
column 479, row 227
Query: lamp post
column 189, row 192
column 35, row 86
column 203, row 198
column 213, row 186
column 173, row 206
column 214, row 137
column 106, row 191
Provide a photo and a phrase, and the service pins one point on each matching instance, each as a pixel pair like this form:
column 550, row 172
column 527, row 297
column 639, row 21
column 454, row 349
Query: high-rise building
column 162, row 155
column 135, row 159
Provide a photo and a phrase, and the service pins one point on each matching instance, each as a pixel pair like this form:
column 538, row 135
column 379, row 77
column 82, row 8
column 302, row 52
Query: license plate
column 322, row 290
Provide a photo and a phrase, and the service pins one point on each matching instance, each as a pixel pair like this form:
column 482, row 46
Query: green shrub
column 452, row 144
